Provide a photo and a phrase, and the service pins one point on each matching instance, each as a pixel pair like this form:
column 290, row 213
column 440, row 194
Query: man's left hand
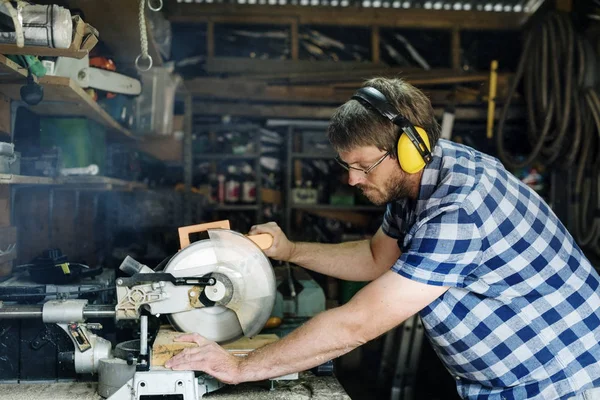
column 208, row 357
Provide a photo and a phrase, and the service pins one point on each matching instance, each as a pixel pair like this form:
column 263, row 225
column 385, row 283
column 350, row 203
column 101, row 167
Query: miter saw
column 222, row 287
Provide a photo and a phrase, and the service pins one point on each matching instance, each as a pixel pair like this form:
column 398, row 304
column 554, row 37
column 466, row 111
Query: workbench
column 308, row 386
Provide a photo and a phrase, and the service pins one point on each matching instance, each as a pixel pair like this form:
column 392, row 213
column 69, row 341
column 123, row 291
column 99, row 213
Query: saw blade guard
column 250, row 273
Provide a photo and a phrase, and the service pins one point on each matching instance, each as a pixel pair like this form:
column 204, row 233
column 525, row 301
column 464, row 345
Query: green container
column 82, row 141
column 348, row 289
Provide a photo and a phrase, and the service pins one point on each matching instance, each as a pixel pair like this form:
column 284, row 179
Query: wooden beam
column 210, row 39
column 564, row 5
column 4, row 205
column 375, row 57
column 455, row 49
column 5, row 126
column 226, row 89
column 248, row 66
column 318, row 112
column 351, row 16
column 294, row 40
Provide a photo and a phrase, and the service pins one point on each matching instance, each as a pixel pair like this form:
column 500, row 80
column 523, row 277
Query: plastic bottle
column 221, row 189
column 248, row 185
column 232, row 186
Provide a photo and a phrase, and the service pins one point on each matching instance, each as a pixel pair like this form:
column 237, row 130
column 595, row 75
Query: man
column 508, row 300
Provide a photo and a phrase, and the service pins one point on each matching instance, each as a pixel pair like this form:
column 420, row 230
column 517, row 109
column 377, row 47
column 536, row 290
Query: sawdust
column 307, row 387
column 54, row 391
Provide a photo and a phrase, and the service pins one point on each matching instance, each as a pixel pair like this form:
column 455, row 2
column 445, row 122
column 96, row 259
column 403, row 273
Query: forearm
column 325, row 337
column 352, row 261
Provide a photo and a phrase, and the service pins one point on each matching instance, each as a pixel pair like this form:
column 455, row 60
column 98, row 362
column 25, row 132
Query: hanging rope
column 143, row 40
column 20, row 37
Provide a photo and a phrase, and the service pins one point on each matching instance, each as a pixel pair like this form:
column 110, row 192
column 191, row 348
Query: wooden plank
column 338, row 73
column 564, row 5
column 58, row 91
column 248, row 19
column 320, row 112
column 210, row 39
column 231, row 89
column 164, row 347
column 455, row 50
column 9, row 179
column 294, row 40
column 252, row 66
column 5, row 205
column 351, row 16
column 10, row 71
column 166, row 148
column 375, row 45
column 5, row 114
column 42, row 51
column 245, row 345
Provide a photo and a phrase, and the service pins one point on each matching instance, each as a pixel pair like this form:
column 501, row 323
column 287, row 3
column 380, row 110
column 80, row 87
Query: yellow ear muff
column 408, row 156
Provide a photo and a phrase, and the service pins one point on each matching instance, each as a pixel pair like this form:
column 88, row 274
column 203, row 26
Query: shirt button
column 457, row 378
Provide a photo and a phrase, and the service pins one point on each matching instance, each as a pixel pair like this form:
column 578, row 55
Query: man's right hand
column 281, row 249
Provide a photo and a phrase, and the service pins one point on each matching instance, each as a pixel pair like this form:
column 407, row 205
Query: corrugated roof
column 473, row 5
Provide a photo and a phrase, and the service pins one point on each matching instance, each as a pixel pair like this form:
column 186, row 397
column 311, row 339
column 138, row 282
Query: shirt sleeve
column 389, row 225
column 443, row 251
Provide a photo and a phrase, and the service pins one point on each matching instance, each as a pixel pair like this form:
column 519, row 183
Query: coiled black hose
column 558, row 71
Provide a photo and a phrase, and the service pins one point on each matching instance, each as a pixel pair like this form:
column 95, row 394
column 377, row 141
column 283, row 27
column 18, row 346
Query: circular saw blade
column 249, row 270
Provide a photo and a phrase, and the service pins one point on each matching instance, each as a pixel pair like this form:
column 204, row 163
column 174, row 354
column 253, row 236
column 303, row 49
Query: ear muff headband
column 412, row 157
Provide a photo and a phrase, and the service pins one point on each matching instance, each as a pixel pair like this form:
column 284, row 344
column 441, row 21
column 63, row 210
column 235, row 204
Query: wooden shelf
column 7, row 179
column 99, row 182
column 62, row 98
column 41, row 51
column 10, row 71
column 73, row 182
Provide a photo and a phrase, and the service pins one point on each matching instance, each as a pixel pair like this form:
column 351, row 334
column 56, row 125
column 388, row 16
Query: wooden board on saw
column 165, row 346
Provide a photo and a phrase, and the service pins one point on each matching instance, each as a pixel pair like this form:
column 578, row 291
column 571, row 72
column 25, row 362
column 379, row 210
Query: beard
column 395, row 187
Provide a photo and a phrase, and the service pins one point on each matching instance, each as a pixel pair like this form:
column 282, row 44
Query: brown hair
column 353, row 125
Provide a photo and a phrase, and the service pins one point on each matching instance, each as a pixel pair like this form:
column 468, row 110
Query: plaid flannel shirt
column 521, row 319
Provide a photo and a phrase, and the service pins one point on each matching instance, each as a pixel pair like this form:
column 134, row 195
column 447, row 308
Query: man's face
column 384, row 183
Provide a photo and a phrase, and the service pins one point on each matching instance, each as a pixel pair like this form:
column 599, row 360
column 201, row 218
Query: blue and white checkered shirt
column 521, row 319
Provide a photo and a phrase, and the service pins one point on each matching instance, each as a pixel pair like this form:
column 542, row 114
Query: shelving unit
column 41, row 51
column 62, row 97
column 252, row 158
column 73, row 182
column 357, row 213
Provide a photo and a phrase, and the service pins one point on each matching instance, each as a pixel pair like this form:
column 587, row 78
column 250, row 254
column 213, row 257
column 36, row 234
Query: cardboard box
column 85, row 36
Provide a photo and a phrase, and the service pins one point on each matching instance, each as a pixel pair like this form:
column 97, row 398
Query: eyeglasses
column 347, row 167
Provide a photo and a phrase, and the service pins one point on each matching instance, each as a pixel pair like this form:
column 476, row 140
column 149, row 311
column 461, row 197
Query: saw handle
column 263, row 240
